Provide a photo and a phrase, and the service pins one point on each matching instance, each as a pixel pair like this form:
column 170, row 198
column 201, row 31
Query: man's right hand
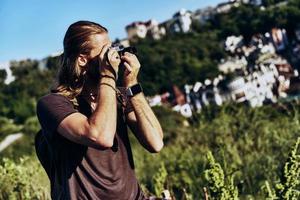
column 109, row 60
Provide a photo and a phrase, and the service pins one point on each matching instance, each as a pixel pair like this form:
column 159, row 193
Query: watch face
column 133, row 90
column 136, row 89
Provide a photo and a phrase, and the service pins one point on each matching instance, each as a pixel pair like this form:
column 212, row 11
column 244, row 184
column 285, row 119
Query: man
column 85, row 125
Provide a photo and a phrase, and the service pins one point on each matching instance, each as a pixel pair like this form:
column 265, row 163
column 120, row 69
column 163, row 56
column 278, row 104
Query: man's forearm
column 148, row 127
column 104, row 119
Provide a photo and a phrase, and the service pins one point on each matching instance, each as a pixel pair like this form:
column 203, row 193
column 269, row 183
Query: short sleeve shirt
column 82, row 172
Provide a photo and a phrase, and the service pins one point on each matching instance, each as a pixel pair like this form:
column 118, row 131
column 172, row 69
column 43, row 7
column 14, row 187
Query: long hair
column 71, row 76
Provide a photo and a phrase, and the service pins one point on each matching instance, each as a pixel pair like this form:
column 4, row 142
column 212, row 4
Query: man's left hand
column 132, row 67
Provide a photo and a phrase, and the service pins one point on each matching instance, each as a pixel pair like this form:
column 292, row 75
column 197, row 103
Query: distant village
column 260, row 74
column 254, row 74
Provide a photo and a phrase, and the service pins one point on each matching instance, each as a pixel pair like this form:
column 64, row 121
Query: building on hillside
column 136, row 30
column 225, row 7
column 232, row 43
column 155, row 31
column 203, row 15
column 124, row 42
column 279, row 38
column 181, row 21
column 9, row 75
column 42, row 64
column 232, row 64
column 150, row 28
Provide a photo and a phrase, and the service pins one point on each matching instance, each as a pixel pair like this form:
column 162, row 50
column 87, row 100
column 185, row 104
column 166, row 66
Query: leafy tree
column 3, row 76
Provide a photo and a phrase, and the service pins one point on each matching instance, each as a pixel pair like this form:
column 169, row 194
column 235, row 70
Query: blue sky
column 35, row 28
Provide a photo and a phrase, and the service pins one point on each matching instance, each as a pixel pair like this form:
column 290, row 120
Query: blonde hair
column 71, row 77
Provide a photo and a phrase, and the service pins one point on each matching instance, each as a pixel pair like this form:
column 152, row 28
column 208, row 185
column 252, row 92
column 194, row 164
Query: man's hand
column 109, row 60
column 132, row 67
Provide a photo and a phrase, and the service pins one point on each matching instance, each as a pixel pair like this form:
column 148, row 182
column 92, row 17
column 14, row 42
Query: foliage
column 180, row 59
column 18, row 99
column 8, row 127
column 218, row 185
column 31, row 126
column 238, row 137
column 159, row 180
column 23, row 180
column 250, row 143
column 288, row 188
column 256, row 20
column 3, row 76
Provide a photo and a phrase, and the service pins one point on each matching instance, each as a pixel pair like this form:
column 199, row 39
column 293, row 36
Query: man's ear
column 82, row 60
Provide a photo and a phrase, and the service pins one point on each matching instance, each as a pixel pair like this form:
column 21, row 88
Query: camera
column 121, row 49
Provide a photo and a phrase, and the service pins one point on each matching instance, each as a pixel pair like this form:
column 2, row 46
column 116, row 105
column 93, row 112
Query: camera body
column 121, row 49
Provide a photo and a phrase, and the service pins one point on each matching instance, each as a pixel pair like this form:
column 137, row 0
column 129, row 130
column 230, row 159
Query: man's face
column 97, row 42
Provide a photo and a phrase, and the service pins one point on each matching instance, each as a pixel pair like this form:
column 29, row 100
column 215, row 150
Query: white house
column 136, row 30
column 142, row 29
column 232, row 64
column 9, row 77
column 233, row 42
column 182, row 21
column 155, row 30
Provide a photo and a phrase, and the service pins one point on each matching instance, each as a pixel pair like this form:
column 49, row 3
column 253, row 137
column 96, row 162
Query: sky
column 35, row 28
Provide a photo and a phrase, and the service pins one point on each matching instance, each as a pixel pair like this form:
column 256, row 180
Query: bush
column 24, row 180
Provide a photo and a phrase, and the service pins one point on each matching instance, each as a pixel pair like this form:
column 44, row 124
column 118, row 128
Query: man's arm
column 142, row 121
column 144, row 124
column 99, row 130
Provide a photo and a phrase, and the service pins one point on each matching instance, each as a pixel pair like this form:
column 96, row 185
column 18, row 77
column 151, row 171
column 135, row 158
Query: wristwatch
column 134, row 90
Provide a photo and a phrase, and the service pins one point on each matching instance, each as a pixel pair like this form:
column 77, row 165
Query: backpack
column 43, row 152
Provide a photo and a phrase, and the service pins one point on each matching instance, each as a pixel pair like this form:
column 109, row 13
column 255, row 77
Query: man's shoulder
column 51, row 109
column 52, row 97
column 53, row 101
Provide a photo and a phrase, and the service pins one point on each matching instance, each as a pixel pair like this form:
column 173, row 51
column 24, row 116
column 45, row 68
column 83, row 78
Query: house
column 9, row 75
column 232, row 64
column 42, row 64
column 136, row 30
column 181, row 21
column 124, row 42
column 155, row 31
column 142, row 29
column 203, row 15
column 226, row 6
column 279, row 38
column 232, row 43
column 255, row 88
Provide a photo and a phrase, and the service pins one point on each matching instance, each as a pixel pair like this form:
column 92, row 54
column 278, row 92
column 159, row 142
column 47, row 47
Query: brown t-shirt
column 82, row 172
